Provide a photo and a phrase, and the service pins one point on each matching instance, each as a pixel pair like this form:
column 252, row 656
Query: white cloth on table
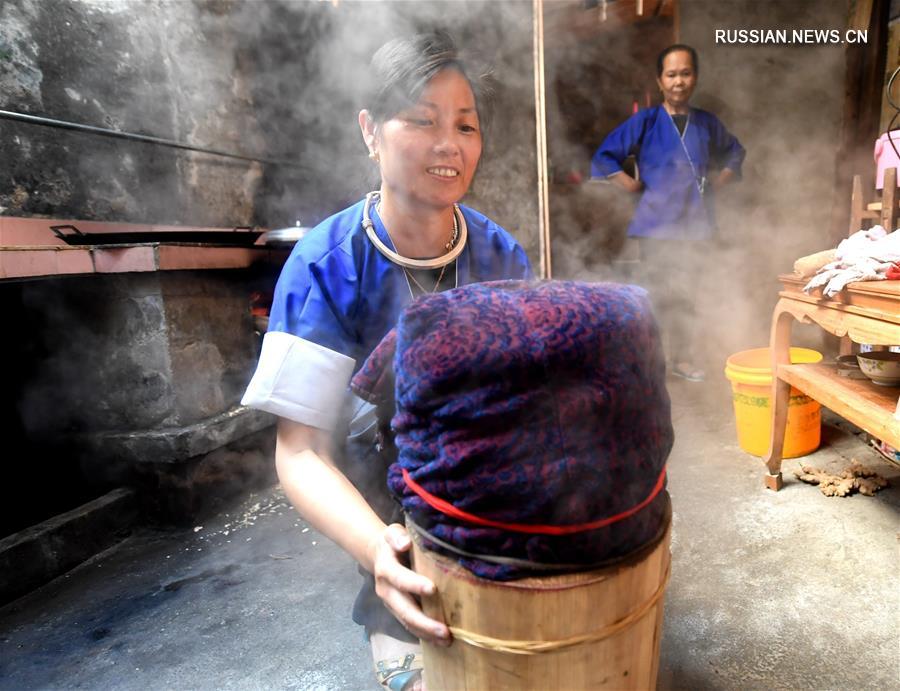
column 864, row 256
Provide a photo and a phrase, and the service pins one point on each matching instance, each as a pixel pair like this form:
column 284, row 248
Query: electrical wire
column 896, row 108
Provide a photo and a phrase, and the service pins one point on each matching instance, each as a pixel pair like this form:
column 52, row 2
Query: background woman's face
column 429, row 152
column 678, row 78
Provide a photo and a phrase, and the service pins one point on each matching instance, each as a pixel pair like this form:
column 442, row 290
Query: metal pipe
column 78, row 127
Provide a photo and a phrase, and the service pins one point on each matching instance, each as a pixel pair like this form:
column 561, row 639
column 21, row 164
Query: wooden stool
column 884, row 212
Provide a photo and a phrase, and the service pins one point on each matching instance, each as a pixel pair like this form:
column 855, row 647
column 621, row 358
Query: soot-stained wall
column 281, row 79
column 166, row 69
column 124, row 373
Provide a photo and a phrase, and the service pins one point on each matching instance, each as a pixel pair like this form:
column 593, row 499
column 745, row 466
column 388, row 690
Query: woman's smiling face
column 428, row 152
column 678, row 78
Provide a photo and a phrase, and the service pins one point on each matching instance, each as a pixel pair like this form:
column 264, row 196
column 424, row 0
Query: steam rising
column 784, row 103
column 318, row 98
column 281, row 78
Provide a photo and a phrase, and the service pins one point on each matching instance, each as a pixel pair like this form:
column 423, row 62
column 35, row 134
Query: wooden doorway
column 599, row 63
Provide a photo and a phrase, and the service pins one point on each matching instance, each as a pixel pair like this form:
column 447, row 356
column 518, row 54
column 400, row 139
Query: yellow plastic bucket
column 750, row 374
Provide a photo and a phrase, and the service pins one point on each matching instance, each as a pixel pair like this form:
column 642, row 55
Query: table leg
column 781, row 391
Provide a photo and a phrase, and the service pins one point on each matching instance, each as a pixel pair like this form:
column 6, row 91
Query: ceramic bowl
column 882, row 367
column 847, row 366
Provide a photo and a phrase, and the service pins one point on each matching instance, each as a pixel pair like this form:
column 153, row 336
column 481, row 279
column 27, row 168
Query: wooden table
column 867, row 312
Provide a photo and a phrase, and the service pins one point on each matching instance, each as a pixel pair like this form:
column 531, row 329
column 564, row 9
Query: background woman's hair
column 401, row 69
column 674, row 49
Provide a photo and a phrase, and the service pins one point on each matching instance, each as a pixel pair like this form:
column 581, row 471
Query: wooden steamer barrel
column 596, row 629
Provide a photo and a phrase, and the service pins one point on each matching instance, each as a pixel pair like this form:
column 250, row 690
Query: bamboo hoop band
column 419, row 532
column 540, row 647
column 406, row 262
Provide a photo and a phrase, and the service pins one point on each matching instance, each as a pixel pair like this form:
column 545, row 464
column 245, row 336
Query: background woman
column 343, row 288
column 684, row 155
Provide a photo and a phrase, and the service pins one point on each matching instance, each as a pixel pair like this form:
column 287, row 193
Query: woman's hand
column 725, row 176
column 327, row 499
column 397, row 586
column 626, row 182
column 332, row 505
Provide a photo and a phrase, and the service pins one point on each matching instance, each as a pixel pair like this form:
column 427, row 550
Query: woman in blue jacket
column 343, row 288
column 683, row 155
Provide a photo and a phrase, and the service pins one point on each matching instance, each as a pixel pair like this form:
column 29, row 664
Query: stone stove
column 134, row 361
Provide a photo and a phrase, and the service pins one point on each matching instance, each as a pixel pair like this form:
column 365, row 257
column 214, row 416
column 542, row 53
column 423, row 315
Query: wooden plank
column 889, row 200
column 880, row 310
column 857, row 213
column 543, row 172
column 863, row 88
column 861, row 16
column 875, row 287
column 865, row 404
column 878, row 299
column 892, row 61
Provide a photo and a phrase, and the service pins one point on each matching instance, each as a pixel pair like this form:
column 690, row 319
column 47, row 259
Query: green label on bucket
column 763, row 401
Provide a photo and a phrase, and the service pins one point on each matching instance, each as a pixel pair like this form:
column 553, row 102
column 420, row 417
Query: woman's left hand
column 397, row 586
column 725, row 176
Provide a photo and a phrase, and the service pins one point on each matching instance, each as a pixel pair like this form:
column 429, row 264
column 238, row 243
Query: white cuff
column 299, row 380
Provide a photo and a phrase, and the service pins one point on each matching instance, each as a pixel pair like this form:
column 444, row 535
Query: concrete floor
column 788, row 590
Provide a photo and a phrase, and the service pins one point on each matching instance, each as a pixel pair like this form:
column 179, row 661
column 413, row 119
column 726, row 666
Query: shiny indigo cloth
column 528, row 403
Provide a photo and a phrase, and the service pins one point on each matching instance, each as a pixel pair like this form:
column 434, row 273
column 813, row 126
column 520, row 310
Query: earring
column 374, row 156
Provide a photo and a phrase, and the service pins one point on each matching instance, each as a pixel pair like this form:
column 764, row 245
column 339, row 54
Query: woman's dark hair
column 674, row 49
column 402, row 68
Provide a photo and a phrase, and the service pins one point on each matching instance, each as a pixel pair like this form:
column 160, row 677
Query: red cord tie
column 447, row 508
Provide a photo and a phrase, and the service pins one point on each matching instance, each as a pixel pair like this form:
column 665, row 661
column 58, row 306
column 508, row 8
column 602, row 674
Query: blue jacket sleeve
column 518, row 265
column 618, row 145
column 313, row 300
column 727, row 151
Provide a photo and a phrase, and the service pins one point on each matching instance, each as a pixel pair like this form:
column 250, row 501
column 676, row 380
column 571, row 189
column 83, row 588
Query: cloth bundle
column 537, row 412
column 811, row 264
column 867, row 255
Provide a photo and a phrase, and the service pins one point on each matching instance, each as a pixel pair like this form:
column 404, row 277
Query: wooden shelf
column 866, row 312
column 865, row 404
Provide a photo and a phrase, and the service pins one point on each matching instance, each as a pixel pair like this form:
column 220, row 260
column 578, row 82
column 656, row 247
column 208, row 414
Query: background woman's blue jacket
column 673, row 169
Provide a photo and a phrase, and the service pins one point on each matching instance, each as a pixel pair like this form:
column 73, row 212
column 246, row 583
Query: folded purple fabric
column 528, row 403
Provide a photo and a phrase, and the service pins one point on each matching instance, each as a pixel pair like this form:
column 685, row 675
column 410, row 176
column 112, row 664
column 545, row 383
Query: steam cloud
column 784, row 103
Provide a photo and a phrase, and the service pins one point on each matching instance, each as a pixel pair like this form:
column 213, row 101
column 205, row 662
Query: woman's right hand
column 397, row 586
column 332, row 505
column 626, row 182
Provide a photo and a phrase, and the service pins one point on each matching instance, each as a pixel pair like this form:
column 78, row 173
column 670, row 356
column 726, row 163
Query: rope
column 420, row 532
column 449, row 509
column 538, row 647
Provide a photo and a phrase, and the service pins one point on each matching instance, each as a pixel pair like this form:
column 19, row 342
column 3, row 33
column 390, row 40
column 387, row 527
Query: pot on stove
column 285, row 237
